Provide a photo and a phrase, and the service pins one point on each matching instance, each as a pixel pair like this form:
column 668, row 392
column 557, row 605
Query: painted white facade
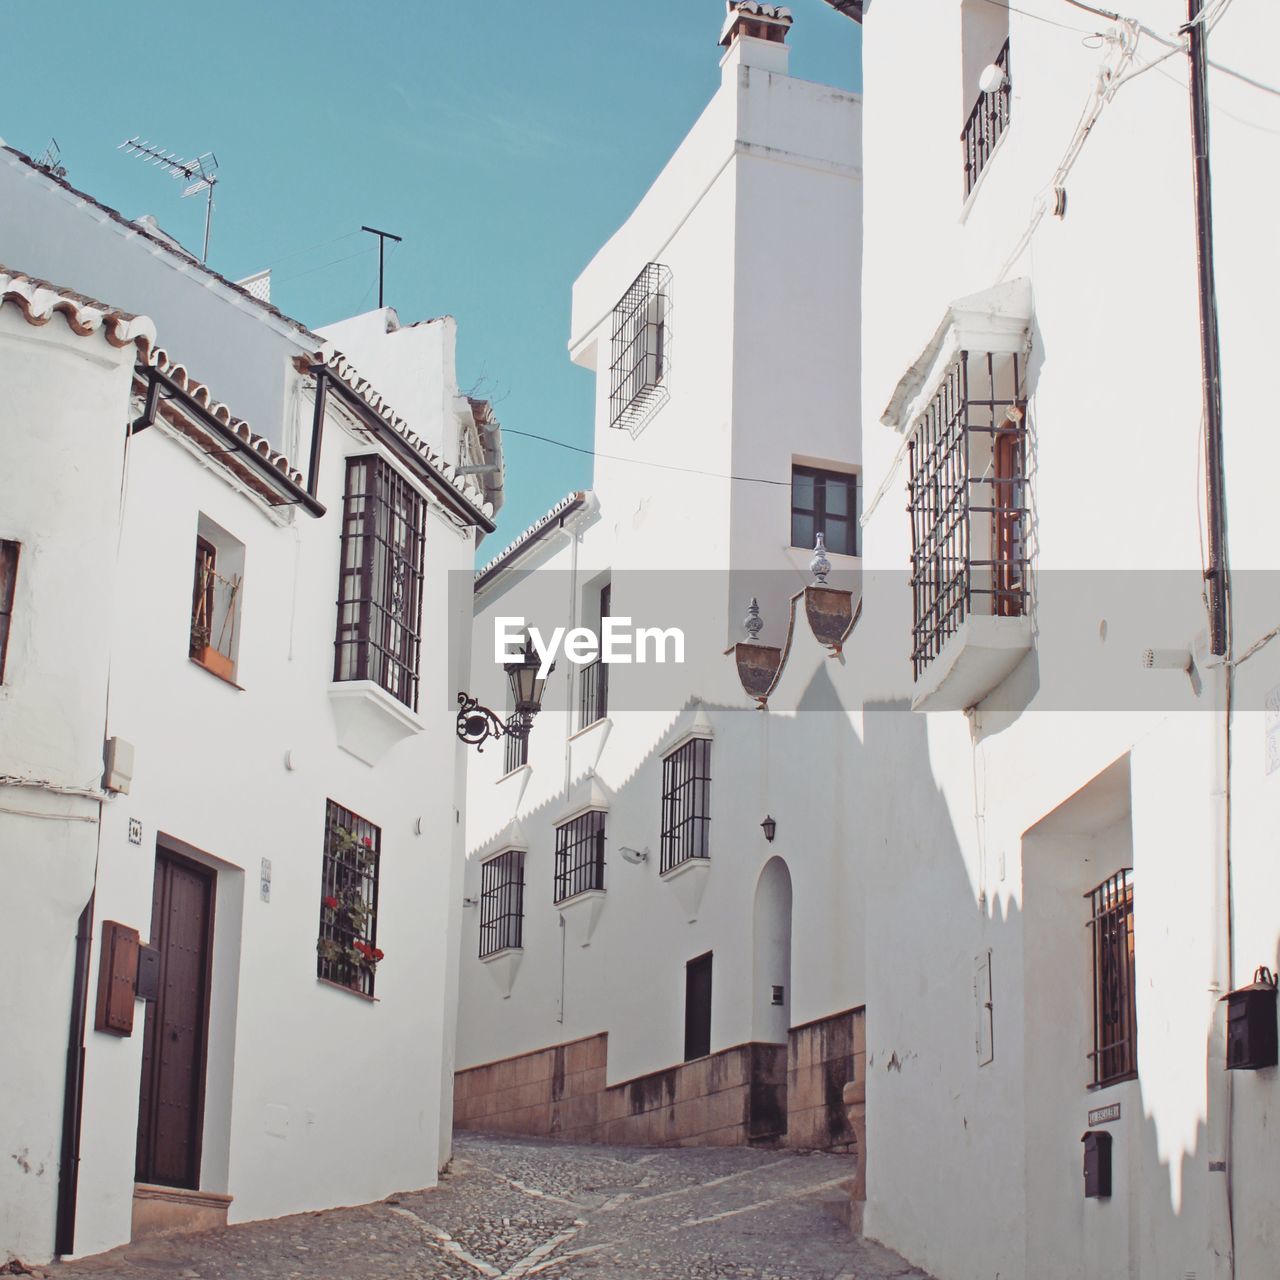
column 979, row 835
column 314, row 1096
column 755, row 218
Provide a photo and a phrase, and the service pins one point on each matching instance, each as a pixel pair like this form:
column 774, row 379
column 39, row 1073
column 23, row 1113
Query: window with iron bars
column 987, row 121
column 380, row 585
column 967, row 496
column 580, row 855
column 515, row 752
column 640, row 349
column 1115, row 1021
column 593, row 693
column 686, row 803
column 347, row 949
column 502, row 903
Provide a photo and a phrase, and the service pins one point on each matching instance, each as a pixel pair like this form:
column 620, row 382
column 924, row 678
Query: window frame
column 10, row 554
column 686, row 804
column 1114, row 1058
column 375, row 639
column 353, row 880
column 820, row 476
column 502, row 903
column 579, row 855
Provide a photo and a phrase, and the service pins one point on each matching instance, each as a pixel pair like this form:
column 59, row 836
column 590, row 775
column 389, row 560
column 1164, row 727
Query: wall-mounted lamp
column 477, row 724
column 769, row 827
column 634, row 856
column 469, row 902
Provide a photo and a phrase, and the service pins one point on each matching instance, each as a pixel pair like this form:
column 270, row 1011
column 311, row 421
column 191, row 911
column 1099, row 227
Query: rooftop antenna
column 383, row 237
column 200, row 174
column 51, row 160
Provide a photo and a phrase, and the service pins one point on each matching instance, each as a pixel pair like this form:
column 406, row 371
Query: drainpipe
column 73, row 1092
column 1217, row 585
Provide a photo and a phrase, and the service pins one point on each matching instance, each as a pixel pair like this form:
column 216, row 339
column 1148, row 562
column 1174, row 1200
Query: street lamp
column 477, row 724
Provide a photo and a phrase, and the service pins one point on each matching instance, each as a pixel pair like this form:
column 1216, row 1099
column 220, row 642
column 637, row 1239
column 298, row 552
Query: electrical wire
column 1039, row 17
column 321, row 266
column 641, row 462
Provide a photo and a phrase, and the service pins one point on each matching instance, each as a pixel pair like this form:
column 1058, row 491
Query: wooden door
column 171, row 1099
column 697, row 1008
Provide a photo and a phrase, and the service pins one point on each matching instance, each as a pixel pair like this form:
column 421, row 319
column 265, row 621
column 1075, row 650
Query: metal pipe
column 1216, row 575
column 73, row 1091
column 317, row 429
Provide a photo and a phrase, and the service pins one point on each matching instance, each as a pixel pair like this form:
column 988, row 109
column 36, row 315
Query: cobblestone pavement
column 512, row 1208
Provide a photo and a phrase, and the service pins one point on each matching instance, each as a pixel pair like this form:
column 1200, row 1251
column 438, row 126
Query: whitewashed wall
column 975, row 1171
column 755, row 216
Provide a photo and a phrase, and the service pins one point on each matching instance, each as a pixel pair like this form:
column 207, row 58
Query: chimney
column 755, row 35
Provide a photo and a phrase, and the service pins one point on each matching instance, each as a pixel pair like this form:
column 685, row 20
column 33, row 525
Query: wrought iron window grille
column 593, row 693
column 502, row 903
column 515, row 751
column 986, row 123
column 347, row 948
column 579, row 855
column 1115, row 1022
column 967, row 502
column 380, row 583
column 640, row 350
column 686, row 803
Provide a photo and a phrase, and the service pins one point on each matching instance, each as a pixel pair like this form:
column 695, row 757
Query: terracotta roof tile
column 39, row 301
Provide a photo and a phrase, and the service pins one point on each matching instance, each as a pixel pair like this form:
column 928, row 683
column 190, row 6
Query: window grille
column 1115, row 1025
column 502, row 903
column 967, row 502
column 8, row 584
column 380, row 587
column 824, row 502
column 347, row 950
column 686, row 803
column 516, row 751
column 987, row 121
column 580, row 855
column 640, row 349
column 593, row 693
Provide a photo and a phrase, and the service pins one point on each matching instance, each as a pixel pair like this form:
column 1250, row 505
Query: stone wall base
column 171, row 1211
column 752, row 1093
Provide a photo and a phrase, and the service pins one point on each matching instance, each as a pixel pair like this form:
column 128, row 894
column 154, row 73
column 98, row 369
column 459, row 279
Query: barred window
column 968, row 501
column 686, row 803
column 640, row 349
column 502, row 903
column 380, row 587
column 515, row 752
column 986, row 123
column 347, row 950
column 824, row 502
column 1115, row 1024
column 580, row 855
column 8, row 582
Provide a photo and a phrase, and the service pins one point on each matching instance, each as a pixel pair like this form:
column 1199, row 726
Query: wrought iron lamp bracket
column 477, row 724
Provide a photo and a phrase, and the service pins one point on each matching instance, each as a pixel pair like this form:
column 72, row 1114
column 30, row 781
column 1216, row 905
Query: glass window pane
column 839, row 535
column 802, row 488
column 837, row 496
column 802, row 531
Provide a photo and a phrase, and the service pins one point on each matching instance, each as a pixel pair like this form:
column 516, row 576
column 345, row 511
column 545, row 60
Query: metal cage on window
column 580, row 855
column 640, row 349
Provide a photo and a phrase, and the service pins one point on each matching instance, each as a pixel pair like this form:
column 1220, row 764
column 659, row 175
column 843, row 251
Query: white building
column 640, row 962
column 280, row 815
column 1067, row 859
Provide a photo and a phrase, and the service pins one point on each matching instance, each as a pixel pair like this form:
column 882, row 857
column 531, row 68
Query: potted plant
column 215, row 658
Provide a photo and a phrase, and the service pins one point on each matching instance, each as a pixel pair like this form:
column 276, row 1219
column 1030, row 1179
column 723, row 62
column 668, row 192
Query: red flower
column 331, row 902
column 377, row 953
column 367, row 842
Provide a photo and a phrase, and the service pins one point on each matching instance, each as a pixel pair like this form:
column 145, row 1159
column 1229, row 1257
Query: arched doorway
column 771, row 968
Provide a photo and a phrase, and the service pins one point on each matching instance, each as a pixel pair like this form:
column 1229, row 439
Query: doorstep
column 171, row 1211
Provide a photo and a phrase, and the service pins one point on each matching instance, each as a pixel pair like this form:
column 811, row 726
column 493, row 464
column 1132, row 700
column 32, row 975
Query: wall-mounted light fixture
column 477, row 724
column 769, row 827
column 634, row 856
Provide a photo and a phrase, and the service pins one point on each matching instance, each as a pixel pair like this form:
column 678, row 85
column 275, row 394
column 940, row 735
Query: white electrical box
column 118, row 761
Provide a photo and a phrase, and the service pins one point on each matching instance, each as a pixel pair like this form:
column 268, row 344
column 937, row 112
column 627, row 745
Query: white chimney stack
column 755, row 35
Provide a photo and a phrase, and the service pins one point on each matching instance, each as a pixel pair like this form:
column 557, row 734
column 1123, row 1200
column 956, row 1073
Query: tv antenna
column 51, row 160
column 383, row 237
column 200, row 174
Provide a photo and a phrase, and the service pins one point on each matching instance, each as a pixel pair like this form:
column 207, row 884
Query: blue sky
column 504, row 139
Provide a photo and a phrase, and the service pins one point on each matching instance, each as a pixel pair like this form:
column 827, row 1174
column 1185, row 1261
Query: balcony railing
column 987, row 121
column 593, row 693
column 967, row 502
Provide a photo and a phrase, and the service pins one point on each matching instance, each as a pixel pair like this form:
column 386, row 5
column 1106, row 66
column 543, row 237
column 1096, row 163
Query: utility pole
column 383, row 237
column 1216, row 575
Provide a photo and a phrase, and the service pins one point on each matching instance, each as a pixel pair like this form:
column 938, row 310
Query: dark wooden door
column 171, row 1100
column 697, row 1008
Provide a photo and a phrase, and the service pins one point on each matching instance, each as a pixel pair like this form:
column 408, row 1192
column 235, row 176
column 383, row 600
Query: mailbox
column 1097, row 1164
column 117, row 979
column 1251, row 1024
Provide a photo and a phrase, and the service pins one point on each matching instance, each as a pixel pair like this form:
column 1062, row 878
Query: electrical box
column 117, row 979
column 1097, row 1164
column 1251, row 1024
column 117, row 760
